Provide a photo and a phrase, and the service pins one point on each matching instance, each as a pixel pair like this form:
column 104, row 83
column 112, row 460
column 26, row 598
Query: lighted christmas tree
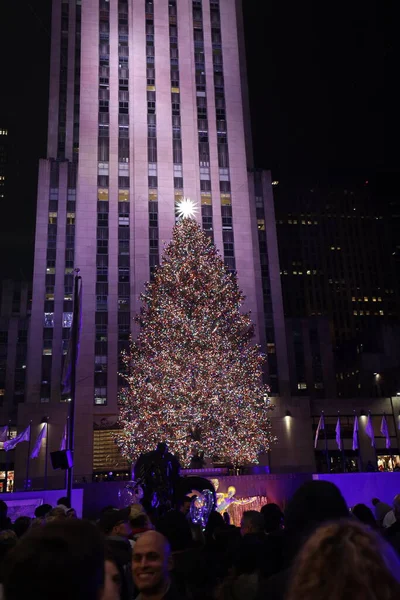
column 194, row 377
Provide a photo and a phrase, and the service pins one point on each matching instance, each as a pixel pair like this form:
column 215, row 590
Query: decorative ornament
column 201, row 507
column 186, row 208
column 132, row 493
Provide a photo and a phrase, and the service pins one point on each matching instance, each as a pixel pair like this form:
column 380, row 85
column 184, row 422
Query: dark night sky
column 322, row 80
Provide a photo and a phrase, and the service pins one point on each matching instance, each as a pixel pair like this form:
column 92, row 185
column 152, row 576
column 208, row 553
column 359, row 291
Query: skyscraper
column 148, row 104
column 337, row 251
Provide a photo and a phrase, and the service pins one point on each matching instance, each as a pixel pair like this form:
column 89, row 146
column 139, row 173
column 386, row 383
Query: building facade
column 338, row 261
column 148, row 104
column 15, row 310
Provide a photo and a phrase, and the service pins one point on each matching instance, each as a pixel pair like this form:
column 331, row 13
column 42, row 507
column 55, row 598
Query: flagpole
column 341, row 444
column 74, row 354
column 391, row 453
column 7, row 438
column 376, row 456
column 328, row 462
column 47, row 453
column 360, row 465
column 29, row 457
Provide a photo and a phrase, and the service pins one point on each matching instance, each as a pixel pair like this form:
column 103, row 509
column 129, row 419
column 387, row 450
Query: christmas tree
column 193, row 375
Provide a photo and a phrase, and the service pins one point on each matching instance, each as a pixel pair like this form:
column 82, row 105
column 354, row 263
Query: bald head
column 151, row 563
column 154, row 539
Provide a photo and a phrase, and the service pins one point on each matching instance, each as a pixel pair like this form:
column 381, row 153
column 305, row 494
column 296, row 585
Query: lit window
column 381, row 312
column 100, row 396
column 44, row 400
column 67, row 319
column 53, row 218
column 152, row 169
column 261, row 224
column 47, row 352
column 271, row 349
column 301, row 386
column 102, row 194
column 103, row 168
column 319, row 385
column 178, row 170
column 224, row 174
column 205, row 173
column 49, row 319
column 123, row 169
column 70, row 218
column 123, row 196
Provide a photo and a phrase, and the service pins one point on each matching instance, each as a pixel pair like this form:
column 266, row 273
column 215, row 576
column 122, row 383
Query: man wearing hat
column 116, row 526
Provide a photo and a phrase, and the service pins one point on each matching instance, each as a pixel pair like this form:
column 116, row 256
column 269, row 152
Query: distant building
column 15, row 308
column 337, row 261
column 311, row 360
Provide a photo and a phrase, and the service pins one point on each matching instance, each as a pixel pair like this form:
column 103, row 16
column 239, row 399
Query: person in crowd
column 192, row 575
column 64, row 502
column 381, row 510
column 227, row 518
column 116, row 527
column 139, row 522
column 243, row 578
column 113, row 580
column 273, row 518
column 314, row 503
column 252, row 523
column 365, row 515
column 270, row 553
column 8, row 540
column 152, row 566
column 42, row 511
column 5, row 521
column 62, row 560
column 21, row 526
column 198, row 537
column 184, row 505
column 71, row 514
column 392, row 533
column 345, row 560
column 56, row 514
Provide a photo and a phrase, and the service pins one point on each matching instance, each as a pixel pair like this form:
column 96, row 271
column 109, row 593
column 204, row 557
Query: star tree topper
column 186, row 209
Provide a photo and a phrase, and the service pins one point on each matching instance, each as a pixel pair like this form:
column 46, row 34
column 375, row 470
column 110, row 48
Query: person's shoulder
column 173, row 594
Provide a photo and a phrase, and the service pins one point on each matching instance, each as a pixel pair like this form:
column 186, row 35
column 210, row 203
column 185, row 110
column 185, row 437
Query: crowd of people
column 317, row 549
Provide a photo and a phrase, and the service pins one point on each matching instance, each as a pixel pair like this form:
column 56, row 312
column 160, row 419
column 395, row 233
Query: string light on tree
column 193, row 375
column 186, row 208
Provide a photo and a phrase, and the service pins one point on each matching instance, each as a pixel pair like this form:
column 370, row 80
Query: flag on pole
column 3, row 433
column 75, row 326
column 369, row 430
column 24, row 436
column 338, row 434
column 321, row 426
column 38, row 443
column 355, row 434
column 385, row 431
column 63, row 445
